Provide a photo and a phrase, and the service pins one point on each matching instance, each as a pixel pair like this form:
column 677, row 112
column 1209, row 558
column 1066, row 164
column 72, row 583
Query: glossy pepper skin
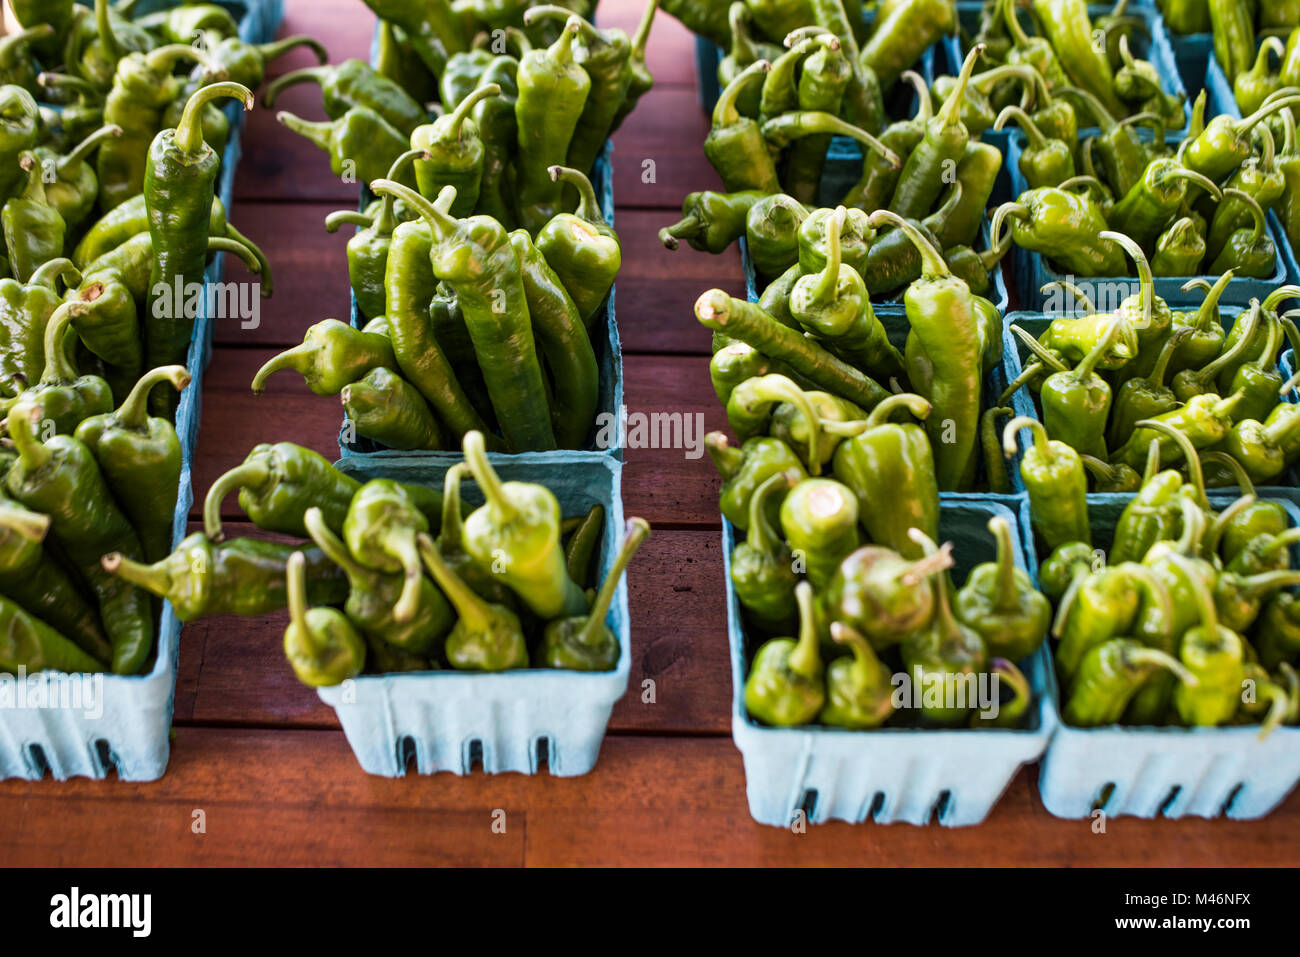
column 1000, row 602
column 581, row 247
column 519, row 527
column 711, row 221
column 1247, row 251
column 819, row 520
column 360, row 142
column 735, row 144
column 277, row 484
column 66, row 397
column 1076, row 404
column 70, row 183
column 486, row 636
column 1226, row 143
column 744, row 469
column 1045, row 161
column 1066, row 25
column 1214, row 655
column 859, row 689
column 180, row 180
column 321, row 644
column 372, row 596
column 944, row 351
column 944, row 652
column 31, row 576
column 553, row 89
column 889, row 461
column 430, row 27
column 1259, row 178
column 143, row 88
column 1147, row 207
column 1110, row 674
column 25, row 311
column 33, row 229
column 384, row 407
column 786, row 686
column 883, row 595
column 140, row 458
column 903, row 33
column 772, row 233
column 584, row 642
column 355, row 83
column 59, row 477
column 332, row 354
column 32, row 645
column 380, row 527
column 1054, row 478
column 1066, row 227
column 762, row 571
column 453, row 153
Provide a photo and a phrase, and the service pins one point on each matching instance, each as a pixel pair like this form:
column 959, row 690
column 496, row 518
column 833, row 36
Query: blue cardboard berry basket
column 889, row 774
column 1169, row 772
column 1015, row 358
column 1034, row 270
column 126, row 726
column 605, row 342
column 522, row 720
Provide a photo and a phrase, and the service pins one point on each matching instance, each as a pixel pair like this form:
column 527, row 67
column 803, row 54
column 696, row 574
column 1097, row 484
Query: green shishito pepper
column 180, row 180
column 1058, row 488
column 883, row 595
column 332, row 354
column 762, row 571
column 1108, row 677
column 943, row 358
column 1147, row 207
column 1045, row 161
column 553, row 90
column 711, row 221
column 1065, row 227
column 432, row 29
column 32, row 645
column 772, row 233
column 142, row 90
column 355, row 83
column 140, row 458
column 380, row 527
column 1101, row 605
column 1144, row 397
column 518, row 532
column 25, row 311
column 321, row 644
column 453, row 153
column 744, row 469
column 583, row 544
column 735, row 145
column 785, row 686
column 368, row 248
column 584, row 642
column 373, row 595
column 487, row 636
column 819, row 518
column 451, row 545
column 942, row 146
column 277, row 484
column 59, row 477
column 999, row 602
column 31, row 576
column 859, row 689
column 110, row 329
column 745, row 321
column 70, row 182
column 66, row 397
column 946, row 653
column 833, row 305
column 475, row 258
column 1249, row 251
column 891, row 462
column 384, row 407
column 902, row 34
column 360, row 142
column 1226, row 142
column 1214, row 656
column 33, row 229
column 581, row 247
column 1180, row 249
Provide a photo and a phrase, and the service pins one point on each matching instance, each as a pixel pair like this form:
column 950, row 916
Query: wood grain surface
column 263, row 758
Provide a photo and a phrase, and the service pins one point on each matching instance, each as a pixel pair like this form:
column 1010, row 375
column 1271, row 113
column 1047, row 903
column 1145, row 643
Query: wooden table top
column 264, row 758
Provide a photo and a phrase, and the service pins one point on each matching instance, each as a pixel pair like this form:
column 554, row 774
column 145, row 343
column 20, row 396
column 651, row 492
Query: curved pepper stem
column 828, row 280
column 950, row 113
column 333, row 546
column 1280, row 295
column 64, row 81
column 106, row 36
column 155, row 579
column 26, row 524
column 278, row 48
column 470, row 608
column 313, row 74
column 942, row 603
column 189, row 131
column 1211, row 369
column 1195, row 474
column 727, row 459
column 685, row 228
column 865, row 662
column 761, row 536
column 58, row 367
column 24, row 420
column 775, row 387
column 1008, row 591
column 1156, row 589
column 638, row 530
column 1042, row 444
column 1155, row 657
column 1036, row 348
column 1081, row 300
column 298, row 358
column 924, row 107
column 917, row 405
column 503, row 510
column 1146, row 282
column 1105, row 119
column 1239, row 473
column 588, row 207
column 642, row 35
column 1160, row 371
column 1022, row 694
column 1256, row 211
column 439, row 221
column 1209, row 613
column 1003, row 213
column 453, row 122
column 1246, row 124
column 164, row 59
column 805, row 660
column 452, row 533
column 932, row 261
column 252, row 262
column 1037, row 138
column 386, row 221
column 1214, row 534
column 11, row 45
column 348, row 217
column 725, row 111
column 246, row 474
column 86, row 147
column 133, row 413
column 48, row 272
column 296, row 592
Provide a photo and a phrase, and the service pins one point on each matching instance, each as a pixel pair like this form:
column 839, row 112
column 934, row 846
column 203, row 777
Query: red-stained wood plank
column 663, row 485
column 670, row 52
column 293, row 798
column 657, row 153
column 233, row 670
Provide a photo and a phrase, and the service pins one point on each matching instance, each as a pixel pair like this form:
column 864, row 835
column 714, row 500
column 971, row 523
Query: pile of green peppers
column 816, row 326
column 393, row 577
column 108, row 165
column 482, row 267
column 1188, row 618
column 849, row 595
